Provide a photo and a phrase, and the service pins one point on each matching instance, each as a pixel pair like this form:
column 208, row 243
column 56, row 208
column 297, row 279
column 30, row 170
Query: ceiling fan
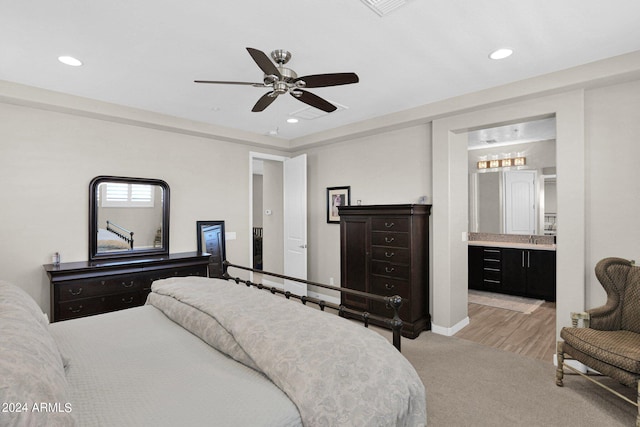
column 283, row 80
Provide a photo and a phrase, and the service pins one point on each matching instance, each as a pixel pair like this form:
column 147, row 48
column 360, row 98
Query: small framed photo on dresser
column 336, row 197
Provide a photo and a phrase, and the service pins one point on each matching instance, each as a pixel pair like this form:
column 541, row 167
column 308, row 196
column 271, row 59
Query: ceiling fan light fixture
column 501, row 53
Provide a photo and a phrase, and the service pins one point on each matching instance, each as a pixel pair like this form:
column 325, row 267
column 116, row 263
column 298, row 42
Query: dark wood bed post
column 394, row 302
column 396, row 323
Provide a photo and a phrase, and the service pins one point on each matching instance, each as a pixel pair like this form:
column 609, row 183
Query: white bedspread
column 137, row 368
column 336, row 372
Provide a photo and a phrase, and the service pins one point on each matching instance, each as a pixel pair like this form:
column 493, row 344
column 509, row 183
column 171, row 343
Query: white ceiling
column 146, row 53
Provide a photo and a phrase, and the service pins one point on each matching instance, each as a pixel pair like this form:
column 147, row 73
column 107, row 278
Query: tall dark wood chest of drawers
column 84, row 288
column 384, row 249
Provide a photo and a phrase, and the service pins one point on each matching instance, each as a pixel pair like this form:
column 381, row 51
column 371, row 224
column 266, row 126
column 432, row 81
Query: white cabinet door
column 520, row 202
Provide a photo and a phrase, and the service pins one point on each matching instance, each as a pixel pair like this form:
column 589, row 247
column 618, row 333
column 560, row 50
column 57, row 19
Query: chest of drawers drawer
column 387, row 269
column 393, row 255
column 390, row 224
column 102, row 286
column 97, row 305
column 390, row 239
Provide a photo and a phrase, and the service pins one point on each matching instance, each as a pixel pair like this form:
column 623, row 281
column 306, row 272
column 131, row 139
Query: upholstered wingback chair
column 609, row 341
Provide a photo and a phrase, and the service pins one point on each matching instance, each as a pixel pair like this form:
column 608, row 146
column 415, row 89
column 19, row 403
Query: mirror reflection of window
column 118, row 194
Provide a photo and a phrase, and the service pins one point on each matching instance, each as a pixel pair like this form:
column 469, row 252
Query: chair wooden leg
column 638, row 401
column 560, row 368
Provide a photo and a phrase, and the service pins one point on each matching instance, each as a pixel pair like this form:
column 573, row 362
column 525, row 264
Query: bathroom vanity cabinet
column 517, row 271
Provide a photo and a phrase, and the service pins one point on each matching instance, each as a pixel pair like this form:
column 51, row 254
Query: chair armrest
column 582, row 315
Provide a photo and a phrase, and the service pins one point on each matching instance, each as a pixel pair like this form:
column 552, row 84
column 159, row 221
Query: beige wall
column 613, row 178
column 273, row 240
column 390, row 167
column 47, row 160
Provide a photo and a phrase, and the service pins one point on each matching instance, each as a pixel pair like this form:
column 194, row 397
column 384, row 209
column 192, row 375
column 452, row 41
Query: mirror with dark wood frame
column 128, row 217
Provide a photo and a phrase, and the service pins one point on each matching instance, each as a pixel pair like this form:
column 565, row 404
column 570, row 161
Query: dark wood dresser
column 385, row 251
column 85, row 288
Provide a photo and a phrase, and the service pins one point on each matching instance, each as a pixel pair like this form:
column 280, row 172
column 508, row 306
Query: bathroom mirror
column 509, row 189
column 128, row 217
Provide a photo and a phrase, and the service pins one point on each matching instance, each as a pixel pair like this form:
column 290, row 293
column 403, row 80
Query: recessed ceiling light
column 292, row 120
column 70, row 60
column 501, row 53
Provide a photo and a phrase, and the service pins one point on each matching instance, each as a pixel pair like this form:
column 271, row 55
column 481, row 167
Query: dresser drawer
column 97, row 305
column 387, row 287
column 107, row 285
column 390, row 224
column 390, row 270
column 389, row 239
column 152, row 276
column 394, row 255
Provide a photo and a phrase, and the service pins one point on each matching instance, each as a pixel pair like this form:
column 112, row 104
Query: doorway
column 278, row 218
column 450, row 195
column 508, row 202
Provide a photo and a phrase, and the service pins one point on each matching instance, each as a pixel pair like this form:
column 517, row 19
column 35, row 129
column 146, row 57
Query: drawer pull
column 388, row 286
column 389, row 224
column 74, row 292
column 102, row 282
column 127, row 285
column 389, row 269
column 128, row 300
column 389, row 254
column 389, row 239
column 77, row 310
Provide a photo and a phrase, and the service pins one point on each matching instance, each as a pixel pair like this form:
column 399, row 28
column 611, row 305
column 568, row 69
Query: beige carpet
column 469, row 384
column 508, row 302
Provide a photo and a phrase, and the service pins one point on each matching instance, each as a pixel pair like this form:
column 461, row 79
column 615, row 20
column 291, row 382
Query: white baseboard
column 270, row 283
column 327, row 298
column 441, row 330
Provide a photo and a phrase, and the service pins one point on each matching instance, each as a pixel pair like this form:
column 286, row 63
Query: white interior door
column 520, row 202
column 295, row 223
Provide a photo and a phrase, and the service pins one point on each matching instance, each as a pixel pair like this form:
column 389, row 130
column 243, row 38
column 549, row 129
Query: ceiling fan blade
column 314, row 100
column 264, row 102
column 323, row 80
column 230, row 83
column 264, row 62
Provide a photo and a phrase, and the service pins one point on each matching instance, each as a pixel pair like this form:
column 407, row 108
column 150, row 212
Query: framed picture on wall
column 336, row 197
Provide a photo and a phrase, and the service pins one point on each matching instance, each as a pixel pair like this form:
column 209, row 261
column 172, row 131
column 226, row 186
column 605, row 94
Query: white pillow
column 33, row 386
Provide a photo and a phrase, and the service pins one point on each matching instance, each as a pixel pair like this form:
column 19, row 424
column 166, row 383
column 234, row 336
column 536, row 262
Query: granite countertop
column 514, row 245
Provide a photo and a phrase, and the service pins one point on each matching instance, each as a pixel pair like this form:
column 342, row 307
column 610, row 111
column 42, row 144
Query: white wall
column 390, row 167
column 273, row 239
column 47, row 160
column 613, row 178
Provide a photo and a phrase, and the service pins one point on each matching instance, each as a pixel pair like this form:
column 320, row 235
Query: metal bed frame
column 395, row 301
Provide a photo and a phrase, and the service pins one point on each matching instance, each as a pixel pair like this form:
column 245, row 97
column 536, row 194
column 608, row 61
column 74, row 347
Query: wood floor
column 532, row 335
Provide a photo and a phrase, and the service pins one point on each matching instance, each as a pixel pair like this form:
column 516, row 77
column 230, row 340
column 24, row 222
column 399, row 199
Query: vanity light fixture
column 502, row 163
column 70, row 60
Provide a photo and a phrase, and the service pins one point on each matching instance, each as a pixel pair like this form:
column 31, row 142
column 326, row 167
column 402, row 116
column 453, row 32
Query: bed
column 202, row 351
column 114, row 238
